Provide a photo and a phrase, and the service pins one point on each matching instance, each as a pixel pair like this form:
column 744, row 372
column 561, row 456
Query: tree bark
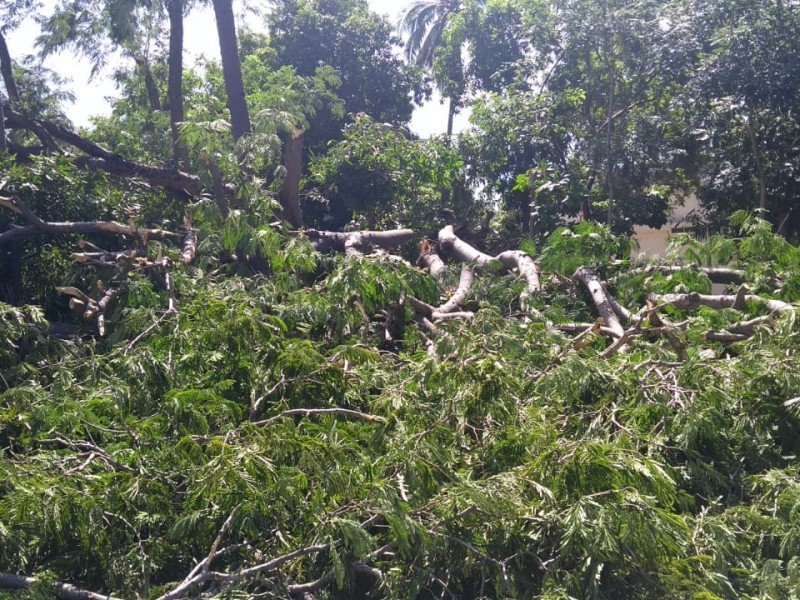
column 694, row 300
column 3, row 144
column 39, row 227
column 231, row 68
column 9, row 581
column 510, row 259
column 600, row 298
column 175, row 81
column 7, row 72
column 762, row 185
column 149, row 83
column 462, row 251
column 104, row 159
column 337, row 240
column 451, row 115
column 458, row 297
column 289, row 195
column 722, row 275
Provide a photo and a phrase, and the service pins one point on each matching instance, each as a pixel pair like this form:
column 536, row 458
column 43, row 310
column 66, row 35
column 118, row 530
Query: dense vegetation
column 257, row 339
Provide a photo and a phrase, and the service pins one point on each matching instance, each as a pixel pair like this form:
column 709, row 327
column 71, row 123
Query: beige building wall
column 653, row 242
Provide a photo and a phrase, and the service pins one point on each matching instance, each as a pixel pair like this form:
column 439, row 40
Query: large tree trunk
column 762, row 184
column 289, row 194
column 179, row 152
column 7, row 72
column 3, row 145
column 451, row 114
column 232, row 68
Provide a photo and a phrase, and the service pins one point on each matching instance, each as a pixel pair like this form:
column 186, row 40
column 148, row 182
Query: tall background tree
column 435, row 42
column 231, row 68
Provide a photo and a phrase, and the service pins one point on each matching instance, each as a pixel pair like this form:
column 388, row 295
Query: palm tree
column 425, row 22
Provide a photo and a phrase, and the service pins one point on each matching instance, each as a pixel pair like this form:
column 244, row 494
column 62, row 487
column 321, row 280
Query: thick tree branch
column 189, row 250
column 7, row 71
column 461, row 250
column 525, row 265
column 105, row 160
column 510, row 259
column 356, row 240
column 40, row 227
column 307, row 412
column 723, row 275
column 694, row 300
column 458, row 297
column 430, row 259
column 65, row 591
column 600, row 298
column 15, row 120
column 289, row 194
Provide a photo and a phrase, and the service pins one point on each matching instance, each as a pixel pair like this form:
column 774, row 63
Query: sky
column 91, row 95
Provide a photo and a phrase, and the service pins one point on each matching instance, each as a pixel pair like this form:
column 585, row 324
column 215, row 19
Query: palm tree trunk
column 175, row 82
column 232, row 68
column 451, row 113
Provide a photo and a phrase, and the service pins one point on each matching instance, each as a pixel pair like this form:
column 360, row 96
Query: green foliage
column 587, row 244
column 377, row 176
column 270, row 403
column 501, row 458
column 344, row 35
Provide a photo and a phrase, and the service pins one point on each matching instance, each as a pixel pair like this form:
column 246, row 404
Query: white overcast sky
column 200, row 37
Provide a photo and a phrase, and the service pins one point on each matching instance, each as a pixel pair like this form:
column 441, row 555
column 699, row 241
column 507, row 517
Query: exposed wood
column 725, row 337
column 102, row 305
column 461, row 250
column 3, row 142
column 749, row 327
column 599, row 295
column 75, row 293
column 149, row 83
column 309, row 412
column 668, row 331
column 741, row 298
column 596, row 327
column 429, row 259
column 525, row 265
column 463, row 315
column 189, row 247
column 289, row 194
column 584, row 338
column 623, row 313
column 620, row 343
column 15, row 120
